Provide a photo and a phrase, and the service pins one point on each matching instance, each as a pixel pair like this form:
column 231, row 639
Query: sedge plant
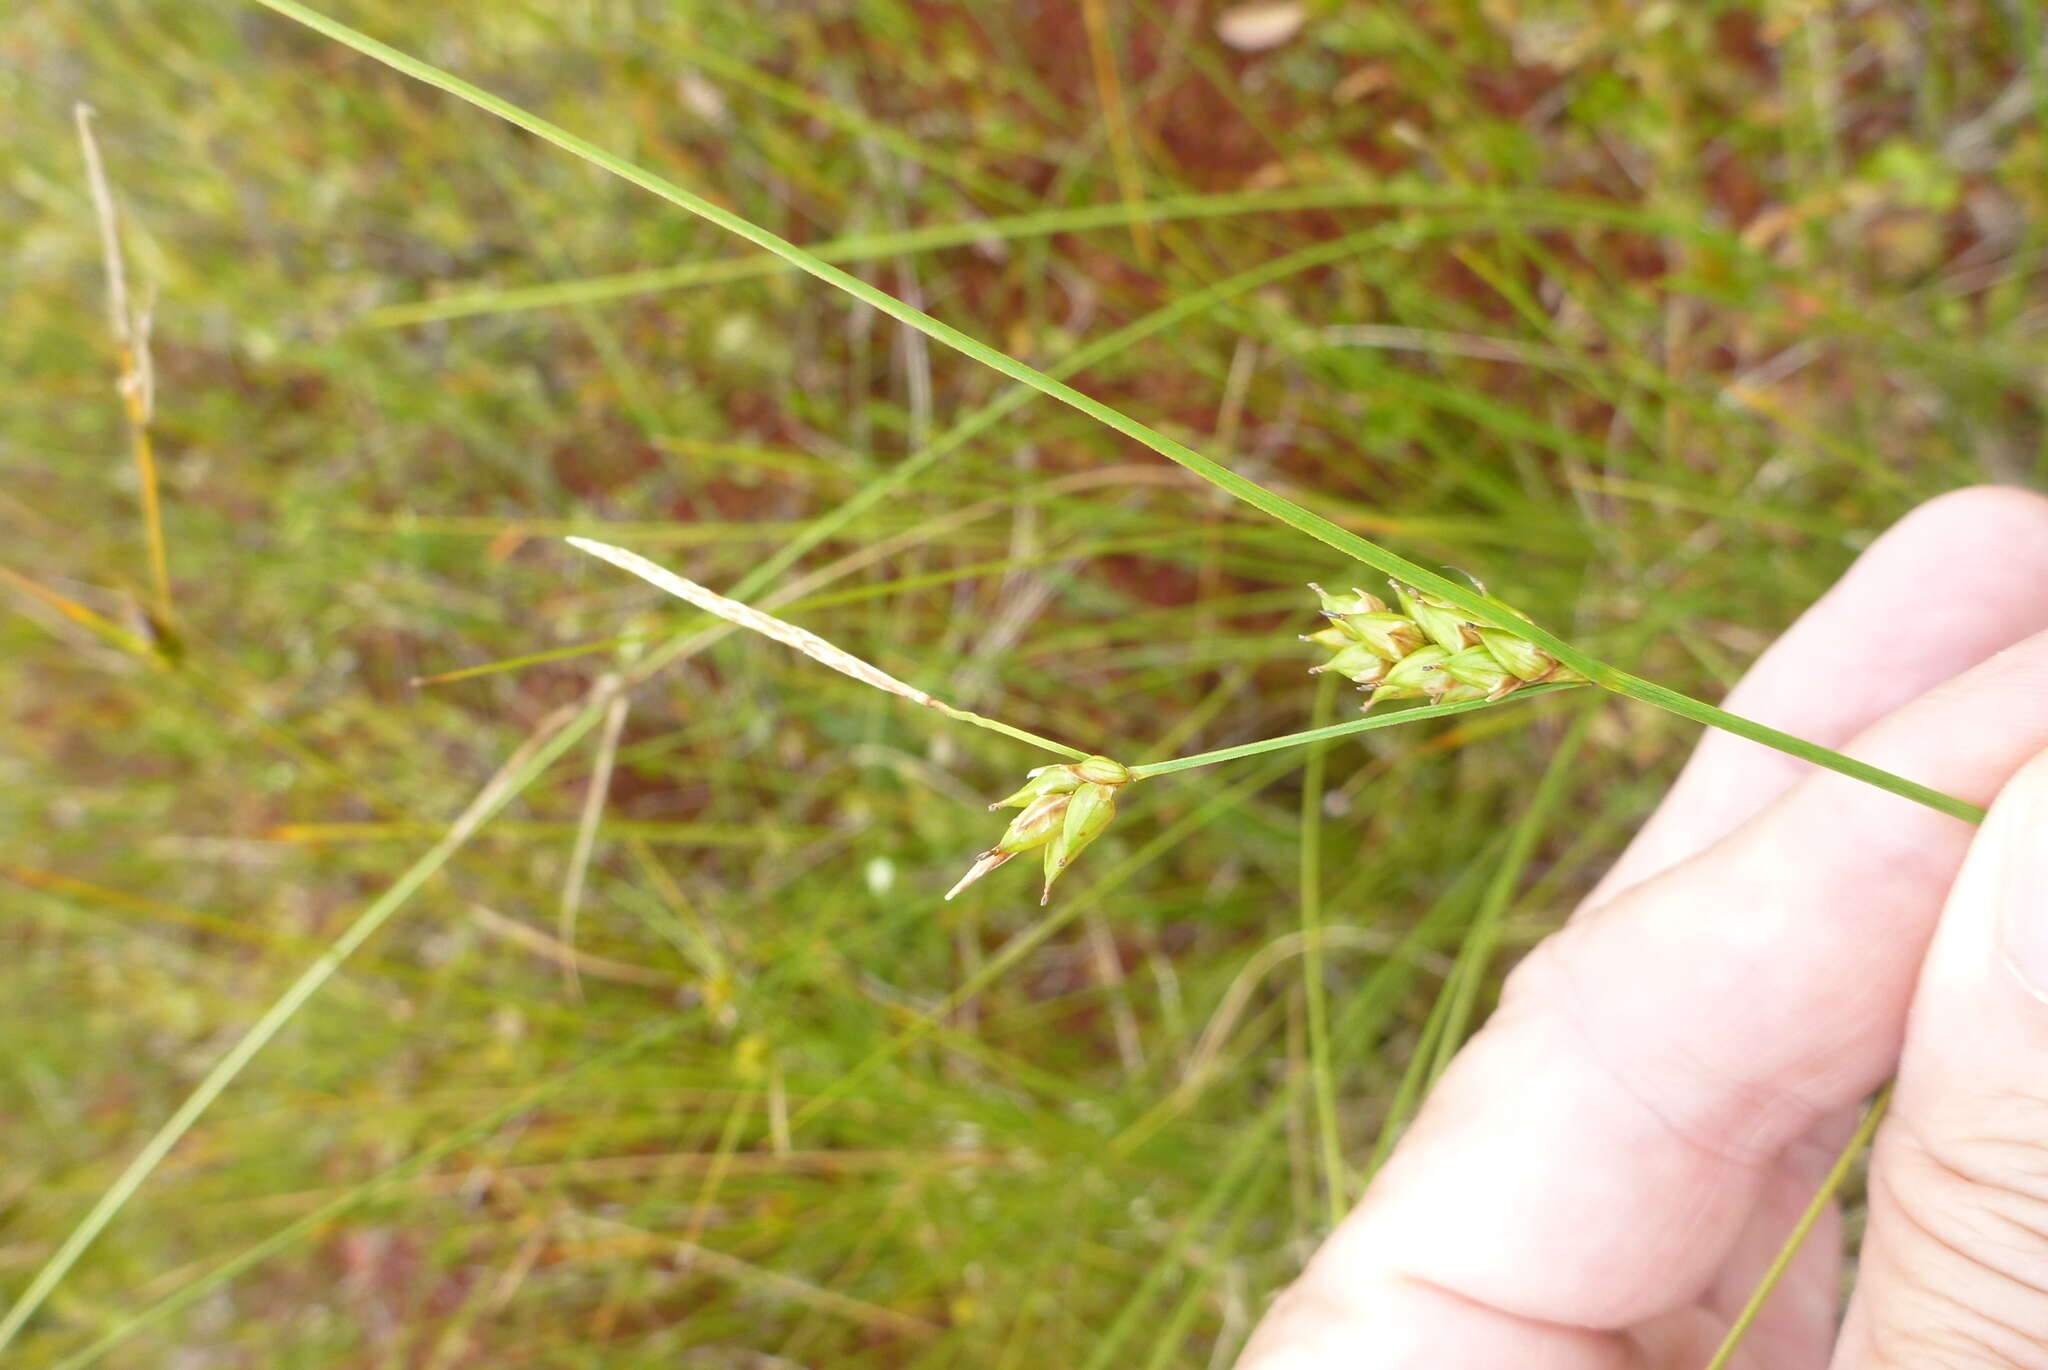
column 1452, row 645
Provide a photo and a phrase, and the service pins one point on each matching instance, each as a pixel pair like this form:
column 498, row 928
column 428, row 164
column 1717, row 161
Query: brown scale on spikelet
column 1427, row 649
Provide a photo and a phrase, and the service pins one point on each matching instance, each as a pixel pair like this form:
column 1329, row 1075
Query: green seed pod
column 1357, row 662
column 1440, row 622
column 1100, row 770
column 1045, row 780
column 1476, row 669
column 1090, row 811
column 1357, row 602
column 1412, row 676
column 1335, row 637
column 1036, row 825
column 1525, row 661
column 1390, row 636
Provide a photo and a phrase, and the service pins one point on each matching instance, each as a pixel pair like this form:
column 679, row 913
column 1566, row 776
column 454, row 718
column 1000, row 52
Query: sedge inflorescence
column 1065, row 807
column 1424, row 647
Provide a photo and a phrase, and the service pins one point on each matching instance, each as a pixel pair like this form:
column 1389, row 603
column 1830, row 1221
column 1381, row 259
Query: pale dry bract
column 747, row 616
column 1066, row 807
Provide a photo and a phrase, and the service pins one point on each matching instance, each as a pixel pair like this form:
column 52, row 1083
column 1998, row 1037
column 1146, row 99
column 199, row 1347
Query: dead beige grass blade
column 586, row 831
column 805, row 641
column 747, row 616
column 137, row 385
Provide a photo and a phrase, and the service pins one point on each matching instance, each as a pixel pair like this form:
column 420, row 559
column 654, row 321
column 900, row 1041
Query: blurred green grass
column 1674, row 308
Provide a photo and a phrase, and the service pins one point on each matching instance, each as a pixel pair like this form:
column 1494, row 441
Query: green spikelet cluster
column 1064, row 807
column 1427, row 649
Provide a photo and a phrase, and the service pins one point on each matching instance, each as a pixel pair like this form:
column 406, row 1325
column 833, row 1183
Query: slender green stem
column 1335, row 730
column 1475, row 955
column 1477, row 606
column 1323, row 1072
column 1800, row 1230
column 997, row 726
column 1416, row 1076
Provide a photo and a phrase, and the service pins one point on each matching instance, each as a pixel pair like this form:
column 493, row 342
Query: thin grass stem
column 1335, row 730
column 1321, row 1070
column 1822, row 1197
column 137, row 385
column 1123, row 148
column 1475, row 954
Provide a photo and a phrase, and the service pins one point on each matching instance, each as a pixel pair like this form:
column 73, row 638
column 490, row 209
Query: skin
column 1605, row 1171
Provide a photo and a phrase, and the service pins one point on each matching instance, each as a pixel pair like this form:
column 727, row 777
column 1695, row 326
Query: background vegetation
column 1647, row 315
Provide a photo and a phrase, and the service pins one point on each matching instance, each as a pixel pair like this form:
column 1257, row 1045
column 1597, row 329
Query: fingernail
column 2023, row 878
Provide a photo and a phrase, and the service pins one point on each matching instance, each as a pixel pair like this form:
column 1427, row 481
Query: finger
column 1590, row 1159
column 1983, row 550
column 1989, row 547
column 1955, row 1264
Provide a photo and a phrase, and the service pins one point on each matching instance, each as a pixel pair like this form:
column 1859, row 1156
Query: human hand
column 1607, row 1168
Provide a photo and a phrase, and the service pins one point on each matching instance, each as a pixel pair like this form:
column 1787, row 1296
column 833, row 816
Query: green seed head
column 1390, row 636
column 1055, row 862
column 1065, row 807
column 1429, row 648
column 1440, row 622
column 1100, row 770
column 1045, row 780
column 1412, row 677
column 1525, row 661
column 1475, row 669
column 1335, row 637
column 1356, row 662
column 1356, row 602
column 1035, row 826
column 1089, row 812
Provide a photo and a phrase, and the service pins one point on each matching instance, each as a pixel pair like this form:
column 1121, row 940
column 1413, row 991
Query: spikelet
column 1065, row 808
column 1427, row 648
